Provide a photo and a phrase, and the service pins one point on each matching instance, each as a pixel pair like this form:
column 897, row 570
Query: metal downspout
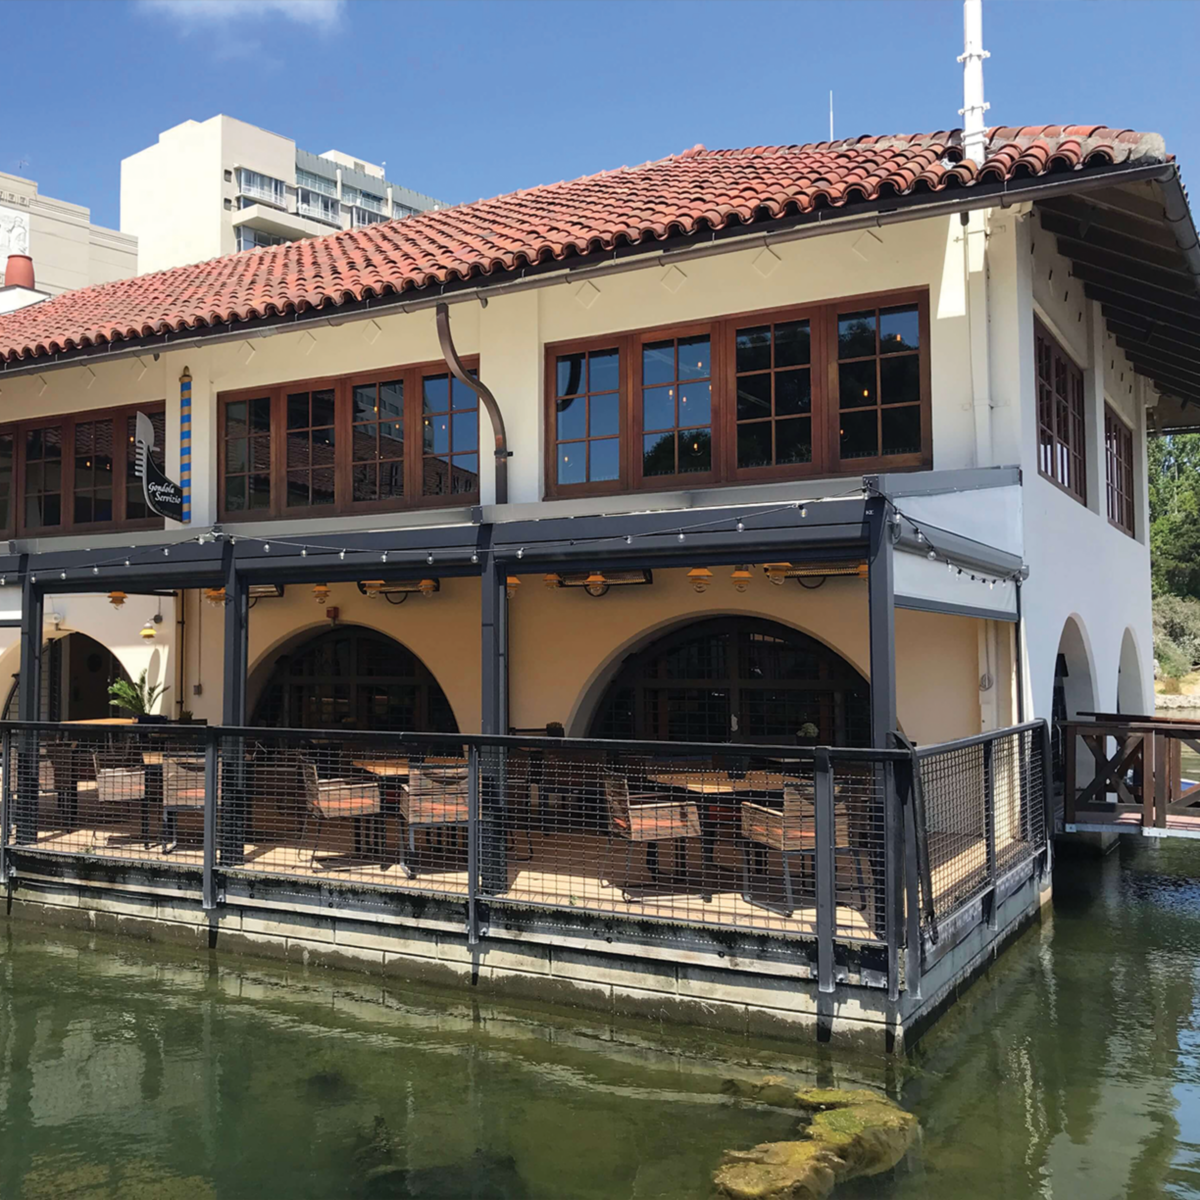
column 446, row 341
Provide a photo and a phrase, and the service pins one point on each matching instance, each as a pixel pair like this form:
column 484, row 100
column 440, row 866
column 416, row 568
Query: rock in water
column 850, row 1133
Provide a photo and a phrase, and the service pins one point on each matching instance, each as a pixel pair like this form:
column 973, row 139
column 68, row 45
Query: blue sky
column 465, row 99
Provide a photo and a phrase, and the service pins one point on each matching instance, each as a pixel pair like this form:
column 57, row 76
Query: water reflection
column 1072, row 1070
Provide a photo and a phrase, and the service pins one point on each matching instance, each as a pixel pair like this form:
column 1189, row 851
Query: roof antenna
column 831, row 116
column 974, row 131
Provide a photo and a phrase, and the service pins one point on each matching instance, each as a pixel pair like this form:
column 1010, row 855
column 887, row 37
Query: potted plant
column 138, row 698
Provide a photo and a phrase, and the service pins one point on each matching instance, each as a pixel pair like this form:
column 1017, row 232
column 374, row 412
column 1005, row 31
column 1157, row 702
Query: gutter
column 639, row 257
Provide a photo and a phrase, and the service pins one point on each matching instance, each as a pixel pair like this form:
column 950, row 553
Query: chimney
column 974, row 130
column 19, row 271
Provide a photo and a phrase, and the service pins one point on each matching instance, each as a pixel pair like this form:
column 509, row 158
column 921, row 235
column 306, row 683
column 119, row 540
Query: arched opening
column 736, row 679
column 353, row 678
column 77, row 672
column 1131, row 699
column 1074, row 693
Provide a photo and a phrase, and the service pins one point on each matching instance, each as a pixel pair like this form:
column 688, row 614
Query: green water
column 133, row 1072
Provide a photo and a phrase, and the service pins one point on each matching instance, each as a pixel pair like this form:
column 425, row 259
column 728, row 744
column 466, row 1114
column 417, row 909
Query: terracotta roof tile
column 681, row 195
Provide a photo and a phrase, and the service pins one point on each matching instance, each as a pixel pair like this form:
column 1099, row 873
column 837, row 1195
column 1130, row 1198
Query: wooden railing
column 1137, row 780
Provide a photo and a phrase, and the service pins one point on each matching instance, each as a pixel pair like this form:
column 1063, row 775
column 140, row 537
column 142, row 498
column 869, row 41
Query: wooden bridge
column 1124, row 774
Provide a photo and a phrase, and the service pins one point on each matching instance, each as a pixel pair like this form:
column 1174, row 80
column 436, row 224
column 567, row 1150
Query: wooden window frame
column 1118, row 463
column 1075, row 485
column 823, row 365
column 343, row 388
column 17, row 527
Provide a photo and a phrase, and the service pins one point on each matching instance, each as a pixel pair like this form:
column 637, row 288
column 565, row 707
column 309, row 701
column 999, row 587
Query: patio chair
column 183, row 790
column 648, row 819
column 792, row 831
column 435, row 797
column 120, row 783
column 336, row 800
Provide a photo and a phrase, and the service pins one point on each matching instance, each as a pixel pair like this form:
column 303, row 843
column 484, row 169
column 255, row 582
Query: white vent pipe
column 974, row 129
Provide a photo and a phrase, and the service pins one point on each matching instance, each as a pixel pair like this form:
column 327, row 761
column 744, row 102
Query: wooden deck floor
column 1178, row 825
column 558, row 869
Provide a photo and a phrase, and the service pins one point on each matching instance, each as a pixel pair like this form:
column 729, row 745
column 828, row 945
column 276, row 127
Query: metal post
column 825, row 866
column 5, row 801
column 893, row 850
column 209, row 884
column 472, row 844
column 1047, row 779
column 28, row 699
column 881, row 615
column 237, row 625
column 493, row 584
column 914, row 947
column 989, row 820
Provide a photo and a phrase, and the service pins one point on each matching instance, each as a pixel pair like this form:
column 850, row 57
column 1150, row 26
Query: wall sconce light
column 215, row 596
column 699, row 578
column 552, row 581
column 427, row 587
column 510, row 586
column 595, row 584
column 777, row 572
column 116, row 599
column 320, row 592
column 740, row 577
column 148, row 631
column 371, row 588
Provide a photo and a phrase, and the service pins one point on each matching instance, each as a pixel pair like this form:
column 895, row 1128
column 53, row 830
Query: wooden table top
column 390, row 768
column 719, row 783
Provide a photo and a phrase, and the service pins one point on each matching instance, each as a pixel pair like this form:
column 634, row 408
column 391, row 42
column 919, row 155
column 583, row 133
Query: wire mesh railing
column 984, row 803
column 797, row 844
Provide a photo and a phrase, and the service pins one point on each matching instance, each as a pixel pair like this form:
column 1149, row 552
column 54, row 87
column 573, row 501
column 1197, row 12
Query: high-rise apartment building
column 68, row 251
column 207, row 188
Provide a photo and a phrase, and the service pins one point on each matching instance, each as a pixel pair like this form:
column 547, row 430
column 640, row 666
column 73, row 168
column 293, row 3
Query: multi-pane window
column 76, row 474
column 774, row 394
column 334, row 446
column 450, row 449
column 247, row 446
column 8, row 467
column 676, row 406
column 377, row 446
column 1118, row 459
column 309, row 448
column 93, row 471
column 879, row 382
column 587, row 414
column 321, row 208
column 254, row 239
column 43, row 477
column 316, row 183
column 837, row 387
column 136, row 508
column 1060, row 416
column 262, row 187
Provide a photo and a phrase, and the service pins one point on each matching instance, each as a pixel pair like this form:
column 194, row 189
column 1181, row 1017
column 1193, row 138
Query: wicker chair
column 336, row 800
column 183, row 790
column 792, row 831
column 435, row 797
column 648, row 819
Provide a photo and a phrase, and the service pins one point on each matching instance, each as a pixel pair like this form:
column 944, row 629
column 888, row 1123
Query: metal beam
column 881, row 602
column 29, row 694
column 934, row 483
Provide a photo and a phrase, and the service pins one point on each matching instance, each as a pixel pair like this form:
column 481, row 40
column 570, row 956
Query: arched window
column 353, row 678
column 736, row 679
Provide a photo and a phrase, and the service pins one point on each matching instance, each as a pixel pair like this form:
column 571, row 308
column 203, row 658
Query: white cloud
column 199, row 14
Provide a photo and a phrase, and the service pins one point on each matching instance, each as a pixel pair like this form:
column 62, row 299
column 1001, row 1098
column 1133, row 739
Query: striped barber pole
column 185, row 441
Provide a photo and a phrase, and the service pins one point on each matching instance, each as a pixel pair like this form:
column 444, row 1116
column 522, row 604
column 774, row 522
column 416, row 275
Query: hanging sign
column 164, row 496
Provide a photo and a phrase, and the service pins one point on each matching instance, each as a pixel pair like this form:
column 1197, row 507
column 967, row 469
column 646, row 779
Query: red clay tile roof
column 684, row 194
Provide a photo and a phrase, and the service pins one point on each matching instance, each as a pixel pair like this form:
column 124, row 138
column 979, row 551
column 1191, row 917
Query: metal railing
column 809, row 848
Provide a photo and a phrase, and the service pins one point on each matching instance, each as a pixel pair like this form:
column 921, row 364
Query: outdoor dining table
column 716, row 784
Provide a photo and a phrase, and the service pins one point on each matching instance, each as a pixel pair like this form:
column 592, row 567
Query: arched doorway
column 353, row 678
column 1131, row 699
column 736, row 679
column 76, row 674
column 1074, row 693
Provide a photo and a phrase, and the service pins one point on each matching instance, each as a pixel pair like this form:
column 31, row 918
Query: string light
column 740, row 527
